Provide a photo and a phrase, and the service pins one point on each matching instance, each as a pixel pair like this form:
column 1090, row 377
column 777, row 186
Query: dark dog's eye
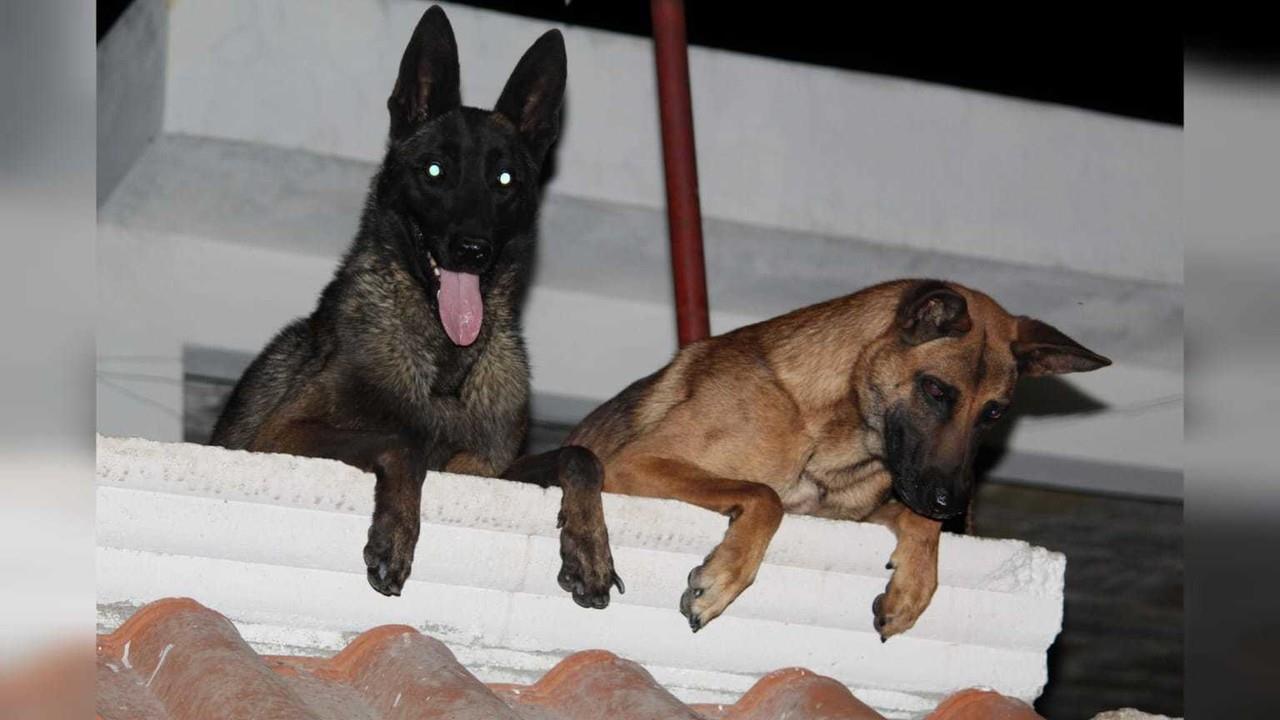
column 992, row 412
column 435, row 169
column 504, row 178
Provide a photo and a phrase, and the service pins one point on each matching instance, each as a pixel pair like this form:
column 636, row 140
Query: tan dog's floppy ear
column 930, row 310
column 1041, row 349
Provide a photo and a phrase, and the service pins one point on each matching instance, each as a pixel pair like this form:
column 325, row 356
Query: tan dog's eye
column 992, row 412
column 933, row 389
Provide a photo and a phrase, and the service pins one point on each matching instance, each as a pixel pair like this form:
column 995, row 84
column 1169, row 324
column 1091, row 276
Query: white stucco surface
column 274, row 542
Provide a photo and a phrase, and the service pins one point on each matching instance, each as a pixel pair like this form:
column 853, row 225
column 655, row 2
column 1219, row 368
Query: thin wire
column 141, row 398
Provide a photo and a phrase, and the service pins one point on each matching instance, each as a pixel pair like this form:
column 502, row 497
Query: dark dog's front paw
column 587, row 569
column 388, row 556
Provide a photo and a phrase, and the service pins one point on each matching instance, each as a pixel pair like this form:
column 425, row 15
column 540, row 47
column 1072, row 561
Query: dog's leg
column 465, row 463
column 915, row 568
column 399, row 466
column 397, row 511
column 754, row 513
column 316, row 438
column 586, row 569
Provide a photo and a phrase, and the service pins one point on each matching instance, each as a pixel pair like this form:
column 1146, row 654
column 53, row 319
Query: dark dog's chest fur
column 373, row 357
column 392, row 338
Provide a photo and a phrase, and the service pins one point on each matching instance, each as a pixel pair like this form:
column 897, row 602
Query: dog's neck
column 822, row 378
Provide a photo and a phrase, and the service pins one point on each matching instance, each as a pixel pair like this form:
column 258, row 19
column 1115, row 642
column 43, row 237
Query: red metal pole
column 684, row 217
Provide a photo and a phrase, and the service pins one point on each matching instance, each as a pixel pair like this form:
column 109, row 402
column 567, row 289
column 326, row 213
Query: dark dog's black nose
column 472, row 253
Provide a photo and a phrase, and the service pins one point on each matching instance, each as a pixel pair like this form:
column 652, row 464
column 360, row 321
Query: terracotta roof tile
column 197, row 666
column 982, row 705
column 794, row 692
column 175, row 659
column 123, row 695
column 595, row 684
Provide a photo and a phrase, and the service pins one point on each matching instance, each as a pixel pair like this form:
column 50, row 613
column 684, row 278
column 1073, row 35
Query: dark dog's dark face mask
column 465, row 181
column 953, row 379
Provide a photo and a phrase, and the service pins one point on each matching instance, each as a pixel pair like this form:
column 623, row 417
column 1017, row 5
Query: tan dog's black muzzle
column 935, row 495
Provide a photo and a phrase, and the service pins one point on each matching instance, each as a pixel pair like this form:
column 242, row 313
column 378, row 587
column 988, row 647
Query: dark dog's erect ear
column 931, row 310
column 535, row 91
column 1041, row 349
column 427, row 86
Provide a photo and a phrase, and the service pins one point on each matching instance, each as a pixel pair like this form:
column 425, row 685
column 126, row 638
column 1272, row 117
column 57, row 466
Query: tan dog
column 866, row 407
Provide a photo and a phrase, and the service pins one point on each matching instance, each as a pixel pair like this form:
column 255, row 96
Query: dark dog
column 413, row 359
column 866, row 407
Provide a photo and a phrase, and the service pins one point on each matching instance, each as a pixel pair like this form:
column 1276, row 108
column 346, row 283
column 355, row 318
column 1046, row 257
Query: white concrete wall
column 273, row 542
column 779, row 144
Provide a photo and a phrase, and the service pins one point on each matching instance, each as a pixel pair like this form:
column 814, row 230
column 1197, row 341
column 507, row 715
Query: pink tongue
column 461, row 310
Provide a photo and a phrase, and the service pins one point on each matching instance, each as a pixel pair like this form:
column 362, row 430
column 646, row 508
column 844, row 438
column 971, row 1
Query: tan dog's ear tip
column 1099, row 361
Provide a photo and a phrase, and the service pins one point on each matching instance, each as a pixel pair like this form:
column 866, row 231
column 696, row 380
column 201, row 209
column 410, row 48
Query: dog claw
column 586, row 571
column 388, row 557
column 697, row 619
column 378, row 581
column 879, row 621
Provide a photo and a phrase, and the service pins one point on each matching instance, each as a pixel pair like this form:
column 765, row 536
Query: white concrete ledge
column 274, row 541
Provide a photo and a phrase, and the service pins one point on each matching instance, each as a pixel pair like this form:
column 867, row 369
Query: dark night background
column 1097, row 59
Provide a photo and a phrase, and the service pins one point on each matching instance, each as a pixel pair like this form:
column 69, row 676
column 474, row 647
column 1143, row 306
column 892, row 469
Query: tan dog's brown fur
column 788, row 415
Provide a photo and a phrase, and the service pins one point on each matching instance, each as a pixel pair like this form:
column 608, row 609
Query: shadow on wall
column 1048, row 396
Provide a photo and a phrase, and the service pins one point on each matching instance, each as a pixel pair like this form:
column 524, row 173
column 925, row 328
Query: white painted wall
column 779, row 144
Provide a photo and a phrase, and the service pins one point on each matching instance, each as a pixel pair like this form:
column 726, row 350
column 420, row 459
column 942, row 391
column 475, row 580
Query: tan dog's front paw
column 905, row 599
column 712, row 586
